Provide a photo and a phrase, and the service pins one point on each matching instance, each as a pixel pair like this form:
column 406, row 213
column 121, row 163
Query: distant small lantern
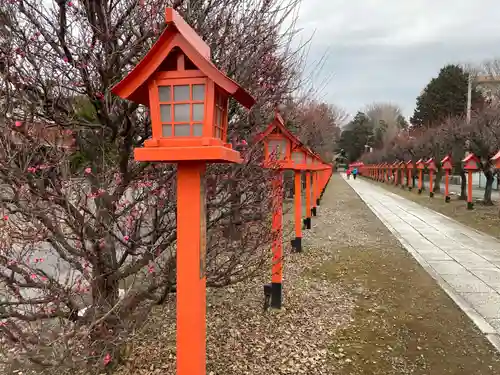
column 420, row 166
column 187, row 97
column 394, row 168
column 402, row 167
column 278, row 143
column 282, row 150
column 496, row 160
column 447, row 166
column 409, row 168
column 471, row 164
column 431, row 166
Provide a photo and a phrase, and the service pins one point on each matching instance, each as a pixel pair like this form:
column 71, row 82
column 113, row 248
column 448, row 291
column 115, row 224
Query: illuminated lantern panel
column 277, row 149
column 298, row 157
column 182, row 109
column 220, row 121
column 308, row 159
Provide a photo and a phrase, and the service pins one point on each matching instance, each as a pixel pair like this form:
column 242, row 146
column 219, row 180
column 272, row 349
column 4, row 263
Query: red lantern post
column 447, row 166
column 402, row 173
column 395, row 168
column 431, row 166
column 409, row 168
column 282, row 150
column 420, row 166
column 307, row 220
column 471, row 164
column 187, row 97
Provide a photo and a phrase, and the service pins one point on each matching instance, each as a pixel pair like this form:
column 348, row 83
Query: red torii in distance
column 188, row 99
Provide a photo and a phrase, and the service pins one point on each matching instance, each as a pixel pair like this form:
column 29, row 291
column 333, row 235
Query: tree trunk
column 489, row 187
column 463, row 185
column 437, row 183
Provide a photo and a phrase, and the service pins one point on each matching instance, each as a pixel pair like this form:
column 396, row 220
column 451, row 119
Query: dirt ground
column 355, row 302
column 483, row 218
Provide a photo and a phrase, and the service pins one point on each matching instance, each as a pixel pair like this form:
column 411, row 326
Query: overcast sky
column 388, row 50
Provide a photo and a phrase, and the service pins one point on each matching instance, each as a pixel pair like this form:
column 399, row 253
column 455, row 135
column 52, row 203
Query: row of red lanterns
column 397, row 172
column 187, row 97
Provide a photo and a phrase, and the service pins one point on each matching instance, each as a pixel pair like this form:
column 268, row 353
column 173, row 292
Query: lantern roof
column 279, row 124
column 471, row 158
column 471, row 162
column 420, row 161
column 409, row 164
column 447, row 158
column 177, row 34
column 496, row 157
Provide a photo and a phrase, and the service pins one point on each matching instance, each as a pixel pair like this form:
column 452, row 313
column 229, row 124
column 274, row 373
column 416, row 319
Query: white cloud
column 388, row 49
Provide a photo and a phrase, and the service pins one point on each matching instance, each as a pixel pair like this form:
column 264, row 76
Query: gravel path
column 241, row 338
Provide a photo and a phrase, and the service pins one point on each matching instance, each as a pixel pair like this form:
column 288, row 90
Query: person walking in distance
column 354, row 173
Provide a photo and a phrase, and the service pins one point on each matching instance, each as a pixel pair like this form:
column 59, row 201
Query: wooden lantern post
column 409, row 178
column 402, row 173
column 187, row 97
column 307, row 220
column 395, row 172
column 420, row 166
column 280, row 153
column 471, row 164
column 447, row 166
column 386, row 171
column 315, row 187
column 431, row 166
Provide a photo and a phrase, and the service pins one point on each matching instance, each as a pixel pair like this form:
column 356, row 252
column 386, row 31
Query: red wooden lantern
column 496, row 160
column 278, row 143
column 402, row 167
column 471, row 164
column 431, row 167
column 420, row 166
column 187, row 97
column 282, row 151
column 409, row 168
column 447, row 166
column 394, row 168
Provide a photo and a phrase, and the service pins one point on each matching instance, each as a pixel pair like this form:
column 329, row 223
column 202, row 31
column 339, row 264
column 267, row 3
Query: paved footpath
column 464, row 262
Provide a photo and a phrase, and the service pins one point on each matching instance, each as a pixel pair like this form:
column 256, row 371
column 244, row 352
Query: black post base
column 313, row 211
column 297, row 244
column 447, row 199
column 307, row 223
column 470, row 205
column 318, row 201
column 431, row 194
column 276, row 289
column 420, row 191
column 410, row 188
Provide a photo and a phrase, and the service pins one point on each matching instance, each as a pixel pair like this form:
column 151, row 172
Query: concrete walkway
column 464, row 262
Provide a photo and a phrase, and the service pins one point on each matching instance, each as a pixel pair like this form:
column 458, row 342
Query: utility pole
column 469, row 98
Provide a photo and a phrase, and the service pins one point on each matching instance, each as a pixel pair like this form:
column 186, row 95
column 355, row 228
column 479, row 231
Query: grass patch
column 403, row 322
